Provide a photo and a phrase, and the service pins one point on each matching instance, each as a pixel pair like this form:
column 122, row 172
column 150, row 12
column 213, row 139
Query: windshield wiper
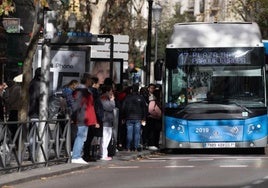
column 243, row 107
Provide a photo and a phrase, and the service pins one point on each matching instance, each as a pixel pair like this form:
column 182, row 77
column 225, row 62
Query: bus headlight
column 253, row 127
column 178, row 128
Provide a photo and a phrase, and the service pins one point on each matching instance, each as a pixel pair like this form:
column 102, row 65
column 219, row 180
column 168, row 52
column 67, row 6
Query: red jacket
column 83, row 107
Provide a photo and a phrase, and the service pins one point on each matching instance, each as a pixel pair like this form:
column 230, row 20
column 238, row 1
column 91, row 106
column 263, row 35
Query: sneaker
column 106, row 159
column 152, row 148
column 79, row 161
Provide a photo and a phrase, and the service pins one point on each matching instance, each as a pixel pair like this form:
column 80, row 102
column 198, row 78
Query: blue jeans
column 133, row 133
column 79, row 141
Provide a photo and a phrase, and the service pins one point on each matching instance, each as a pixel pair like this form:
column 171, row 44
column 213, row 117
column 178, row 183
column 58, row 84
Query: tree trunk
column 27, row 70
column 3, row 48
column 97, row 13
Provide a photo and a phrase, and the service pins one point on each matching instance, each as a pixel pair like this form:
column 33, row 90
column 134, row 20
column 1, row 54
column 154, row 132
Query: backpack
column 56, row 106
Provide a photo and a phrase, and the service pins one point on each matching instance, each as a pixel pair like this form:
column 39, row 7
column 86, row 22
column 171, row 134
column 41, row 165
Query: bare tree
column 96, row 12
column 27, row 65
column 253, row 10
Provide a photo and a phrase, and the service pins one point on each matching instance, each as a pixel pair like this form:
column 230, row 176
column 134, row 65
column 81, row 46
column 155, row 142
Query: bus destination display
column 205, row 57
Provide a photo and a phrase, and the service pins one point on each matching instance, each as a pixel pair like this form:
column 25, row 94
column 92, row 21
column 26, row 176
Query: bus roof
column 216, row 34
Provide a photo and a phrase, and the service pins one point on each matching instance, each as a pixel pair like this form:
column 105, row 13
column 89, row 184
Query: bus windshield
column 240, row 85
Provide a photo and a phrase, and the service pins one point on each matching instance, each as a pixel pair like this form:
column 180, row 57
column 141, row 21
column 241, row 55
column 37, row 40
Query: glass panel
column 215, row 75
column 216, row 84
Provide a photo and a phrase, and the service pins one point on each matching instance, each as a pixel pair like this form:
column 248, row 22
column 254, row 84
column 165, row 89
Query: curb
column 39, row 173
column 45, row 172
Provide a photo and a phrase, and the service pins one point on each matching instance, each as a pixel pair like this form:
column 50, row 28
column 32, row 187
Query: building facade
column 210, row 10
column 203, row 10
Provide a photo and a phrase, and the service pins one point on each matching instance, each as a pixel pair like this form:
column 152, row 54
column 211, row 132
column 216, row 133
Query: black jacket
column 2, row 104
column 34, row 97
column 134, row 107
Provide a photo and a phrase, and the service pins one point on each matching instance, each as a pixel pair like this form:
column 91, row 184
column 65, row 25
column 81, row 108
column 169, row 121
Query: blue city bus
column 265, row 43
column 214, row 87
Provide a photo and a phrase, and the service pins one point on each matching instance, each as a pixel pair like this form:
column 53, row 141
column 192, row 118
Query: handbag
column 154, row 110
column 112, row 147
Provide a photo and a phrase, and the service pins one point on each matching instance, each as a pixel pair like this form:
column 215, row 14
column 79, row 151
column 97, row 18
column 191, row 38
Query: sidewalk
column 43, row 172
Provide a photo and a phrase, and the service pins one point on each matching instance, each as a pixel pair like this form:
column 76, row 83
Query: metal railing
column 34, row 143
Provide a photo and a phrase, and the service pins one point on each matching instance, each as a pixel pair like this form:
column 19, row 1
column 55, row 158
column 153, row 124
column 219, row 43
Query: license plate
column 220, row 145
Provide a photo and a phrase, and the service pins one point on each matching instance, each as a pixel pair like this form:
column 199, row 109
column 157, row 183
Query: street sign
column 120, row 49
